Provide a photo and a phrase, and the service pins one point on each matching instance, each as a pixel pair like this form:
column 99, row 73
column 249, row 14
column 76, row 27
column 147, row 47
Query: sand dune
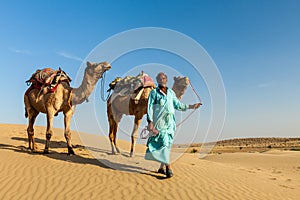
column 25, row 175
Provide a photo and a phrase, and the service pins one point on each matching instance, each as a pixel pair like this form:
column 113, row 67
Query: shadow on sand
column 78, row 158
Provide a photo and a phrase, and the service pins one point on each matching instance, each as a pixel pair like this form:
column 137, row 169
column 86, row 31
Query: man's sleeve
column 150, row 106
column 178, row 105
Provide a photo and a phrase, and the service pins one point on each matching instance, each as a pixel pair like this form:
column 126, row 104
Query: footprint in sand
column 247, row 170
column 286, row 187
column 276, row 171
column 274, row 179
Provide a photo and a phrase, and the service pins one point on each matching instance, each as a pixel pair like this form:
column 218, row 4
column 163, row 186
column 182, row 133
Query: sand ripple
column 26, row 175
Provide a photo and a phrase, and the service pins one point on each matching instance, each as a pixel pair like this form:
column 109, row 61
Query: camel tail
column 26, row 114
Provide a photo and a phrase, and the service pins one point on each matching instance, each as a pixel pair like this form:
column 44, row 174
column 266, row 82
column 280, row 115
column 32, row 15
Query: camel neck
column 82, row 93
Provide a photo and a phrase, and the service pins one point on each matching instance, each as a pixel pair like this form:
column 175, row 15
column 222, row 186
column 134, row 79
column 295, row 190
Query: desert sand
column 273, row 174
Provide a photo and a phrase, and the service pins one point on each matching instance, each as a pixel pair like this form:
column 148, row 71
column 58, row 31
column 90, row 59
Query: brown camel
column 117, row 105
column 180, row 85
column 61, row 100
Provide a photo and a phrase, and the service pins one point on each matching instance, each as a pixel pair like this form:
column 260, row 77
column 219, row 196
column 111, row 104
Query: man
column 162, row 103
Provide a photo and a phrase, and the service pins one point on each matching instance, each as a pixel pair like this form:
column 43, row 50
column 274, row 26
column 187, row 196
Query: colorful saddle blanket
column 47, row 77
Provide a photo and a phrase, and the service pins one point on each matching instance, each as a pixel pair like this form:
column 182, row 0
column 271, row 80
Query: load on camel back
column 46, row 81
column 131, row 85
column 47, row 78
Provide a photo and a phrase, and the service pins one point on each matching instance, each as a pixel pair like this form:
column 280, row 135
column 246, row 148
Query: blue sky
column 255, row 45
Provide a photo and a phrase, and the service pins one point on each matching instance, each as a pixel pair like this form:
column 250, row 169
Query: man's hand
column 151, row 128
column 195, row 106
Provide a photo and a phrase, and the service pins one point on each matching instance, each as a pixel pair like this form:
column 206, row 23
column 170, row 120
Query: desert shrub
column 294, row 149
column 194, row 150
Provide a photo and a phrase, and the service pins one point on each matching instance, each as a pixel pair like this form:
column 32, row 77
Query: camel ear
column 88, row 63
column 175, row 78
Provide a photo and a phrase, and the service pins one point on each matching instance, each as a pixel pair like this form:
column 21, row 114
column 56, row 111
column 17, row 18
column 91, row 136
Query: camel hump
column 62, row 76
column 42, row 76
column 147, row 81
column 131, row 84
column 113, row 84
column 47, row 77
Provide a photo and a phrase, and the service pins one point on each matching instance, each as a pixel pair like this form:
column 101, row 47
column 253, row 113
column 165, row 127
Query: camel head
column 180, row 85
column 97, row 69
column 93, row 72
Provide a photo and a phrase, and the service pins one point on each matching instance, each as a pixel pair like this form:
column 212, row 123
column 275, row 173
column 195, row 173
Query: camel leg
column 113, row 136
column 30, row 131
column 137, row 122
column 49, row 132
column 111, row 123
column 113, row 128
column 67, row 121
column 118, row 119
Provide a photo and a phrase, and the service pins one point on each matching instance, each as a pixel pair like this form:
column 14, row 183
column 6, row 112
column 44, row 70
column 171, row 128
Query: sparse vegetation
column 252, row 145
column 294, row 149
column 194, row 150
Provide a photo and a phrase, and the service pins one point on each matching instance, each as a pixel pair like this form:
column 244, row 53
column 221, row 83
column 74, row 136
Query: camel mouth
column 107, row 68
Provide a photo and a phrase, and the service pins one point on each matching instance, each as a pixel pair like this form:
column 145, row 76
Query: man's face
column 162, row 80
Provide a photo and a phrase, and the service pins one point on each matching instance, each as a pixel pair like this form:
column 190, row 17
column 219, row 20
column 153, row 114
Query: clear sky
column 255, row 45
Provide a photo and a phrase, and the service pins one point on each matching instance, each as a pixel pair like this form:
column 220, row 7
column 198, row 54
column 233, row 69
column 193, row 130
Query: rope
column 145, row 133
column 102, row 88
column 186, row 118
column 200, row 101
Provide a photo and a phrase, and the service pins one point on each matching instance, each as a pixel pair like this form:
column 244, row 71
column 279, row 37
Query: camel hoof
column 46, row 151
column 70, row 151
column 131, row 154
column 33, row 150
column 115, row 153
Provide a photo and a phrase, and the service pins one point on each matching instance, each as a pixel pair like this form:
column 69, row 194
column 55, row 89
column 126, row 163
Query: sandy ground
column 25, row 175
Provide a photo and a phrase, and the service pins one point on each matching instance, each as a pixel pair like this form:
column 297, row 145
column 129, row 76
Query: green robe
column 161, row 111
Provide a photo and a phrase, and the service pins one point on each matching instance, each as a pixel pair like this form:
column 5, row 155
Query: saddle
column 47, row 78
column 131, row 85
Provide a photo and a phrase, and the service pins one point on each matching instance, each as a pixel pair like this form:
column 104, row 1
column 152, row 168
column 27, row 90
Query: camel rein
column 200, row 101
column 145, row 133
column 102, row 88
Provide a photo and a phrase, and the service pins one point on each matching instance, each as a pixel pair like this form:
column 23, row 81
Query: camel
column 118, row 105
column 180, row 85
column 63, row 99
